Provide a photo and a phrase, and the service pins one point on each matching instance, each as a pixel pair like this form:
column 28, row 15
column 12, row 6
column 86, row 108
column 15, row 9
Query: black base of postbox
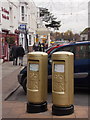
column 59, row 111
column 36, row 108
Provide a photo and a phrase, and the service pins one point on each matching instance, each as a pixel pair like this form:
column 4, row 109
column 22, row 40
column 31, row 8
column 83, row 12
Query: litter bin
column 62, row 83
column 37, row 82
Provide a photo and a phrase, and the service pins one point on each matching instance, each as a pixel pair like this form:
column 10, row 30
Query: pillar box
column 62, row 83
column 37, row 82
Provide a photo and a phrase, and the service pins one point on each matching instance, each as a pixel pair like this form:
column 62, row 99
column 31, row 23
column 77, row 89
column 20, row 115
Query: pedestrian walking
column 34, row 47
column 39, row 47
column 43, row 47
column 14, row 54
column 46, row 46
column 21, row 54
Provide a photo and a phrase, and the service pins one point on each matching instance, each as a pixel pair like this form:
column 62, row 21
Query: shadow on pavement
column 80, row 96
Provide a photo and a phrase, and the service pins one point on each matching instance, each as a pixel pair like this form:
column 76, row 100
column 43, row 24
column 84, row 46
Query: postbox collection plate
column 59, row 77
column 34, row 67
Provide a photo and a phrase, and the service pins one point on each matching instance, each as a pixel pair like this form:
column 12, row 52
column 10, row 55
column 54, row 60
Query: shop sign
column 22, row 27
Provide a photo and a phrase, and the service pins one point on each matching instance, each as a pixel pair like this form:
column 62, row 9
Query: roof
column 85, row 31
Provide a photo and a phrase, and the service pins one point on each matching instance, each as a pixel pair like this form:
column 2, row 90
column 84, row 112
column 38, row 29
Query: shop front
column 43, row 35
column 6, row 42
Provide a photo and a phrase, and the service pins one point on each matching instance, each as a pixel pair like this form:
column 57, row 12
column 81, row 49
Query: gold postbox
column 37, row 82
column 62, row 83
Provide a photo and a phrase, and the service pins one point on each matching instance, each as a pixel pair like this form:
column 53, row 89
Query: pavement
column 9, row 77
column 16, row 108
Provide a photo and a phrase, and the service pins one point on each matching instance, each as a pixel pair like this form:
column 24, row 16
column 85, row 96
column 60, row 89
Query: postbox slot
column 33, row 60
column 58, row 60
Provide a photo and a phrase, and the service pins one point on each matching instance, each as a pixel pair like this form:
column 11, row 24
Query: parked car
column 56, row 46
column 81, row 52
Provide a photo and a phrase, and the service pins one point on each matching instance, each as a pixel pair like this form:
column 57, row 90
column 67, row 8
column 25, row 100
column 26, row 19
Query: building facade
column 89, row 14
column 85, row 34
column 27, row 23
column 18, row 23
column 8, row 27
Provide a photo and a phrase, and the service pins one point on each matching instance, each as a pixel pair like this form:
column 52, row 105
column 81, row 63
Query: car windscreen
column 58, row 49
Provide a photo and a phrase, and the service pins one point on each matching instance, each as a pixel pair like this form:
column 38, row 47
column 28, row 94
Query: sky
column 73, row 14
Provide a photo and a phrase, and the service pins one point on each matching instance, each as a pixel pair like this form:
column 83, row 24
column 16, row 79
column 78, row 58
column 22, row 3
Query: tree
column 54, row 24
column 68, row 35
column 49, row 18
column 76, row 37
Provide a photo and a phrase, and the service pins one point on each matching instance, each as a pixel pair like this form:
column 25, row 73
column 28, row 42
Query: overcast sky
column 73, row 14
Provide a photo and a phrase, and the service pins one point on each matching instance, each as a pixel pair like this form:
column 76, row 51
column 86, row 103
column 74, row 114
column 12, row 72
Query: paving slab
column 15, row 107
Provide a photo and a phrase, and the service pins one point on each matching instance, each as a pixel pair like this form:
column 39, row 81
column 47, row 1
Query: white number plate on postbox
column 59, row 68
column 34, row 67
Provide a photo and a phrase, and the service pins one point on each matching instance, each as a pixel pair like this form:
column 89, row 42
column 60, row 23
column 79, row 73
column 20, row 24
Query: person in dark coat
column 14, row 54
column 21, row 53
column 43, row 47
column 39, row 47
column 34, row 47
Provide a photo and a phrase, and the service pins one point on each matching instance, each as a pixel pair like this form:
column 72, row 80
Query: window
column 88, row 51
column 68, row 48
column 11, row 16
column 0, row 11
column 0, row 16
column 22, row 12
column 81, row 52
column 83, row 38
column 29, row 40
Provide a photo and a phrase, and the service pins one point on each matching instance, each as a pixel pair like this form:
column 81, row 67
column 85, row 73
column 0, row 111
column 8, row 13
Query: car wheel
column 24, row 84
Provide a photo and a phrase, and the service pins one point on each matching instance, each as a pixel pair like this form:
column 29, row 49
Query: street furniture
column 37, row 65
column 62, row 83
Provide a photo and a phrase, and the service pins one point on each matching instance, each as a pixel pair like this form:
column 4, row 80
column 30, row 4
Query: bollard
column 37, row 82
column 62, row 83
